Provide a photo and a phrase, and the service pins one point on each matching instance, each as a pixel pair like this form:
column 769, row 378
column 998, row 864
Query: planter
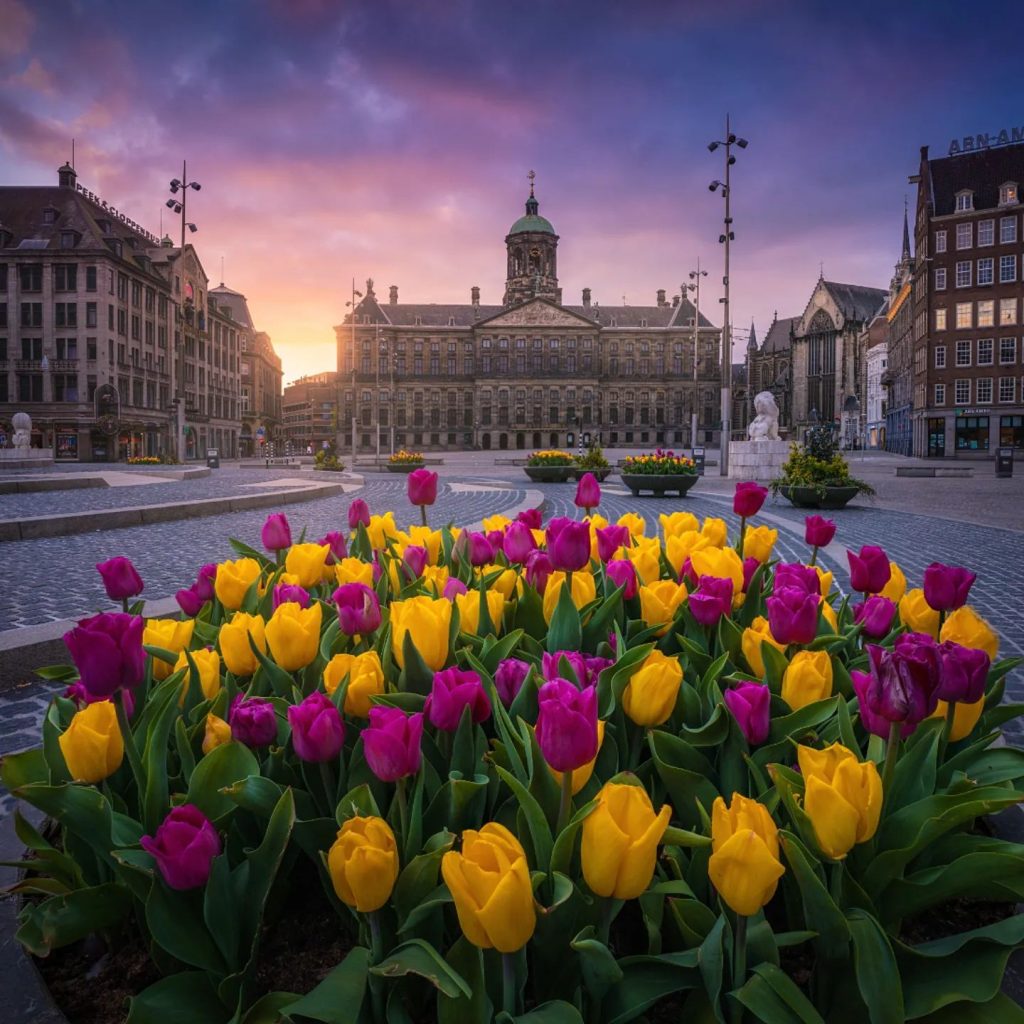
column 659, row 485
column 404, row 467
column 813, row 497
column 599, row 474
column 548, row 474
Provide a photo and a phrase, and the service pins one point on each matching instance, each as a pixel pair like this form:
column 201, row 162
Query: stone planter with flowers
column 659, row 472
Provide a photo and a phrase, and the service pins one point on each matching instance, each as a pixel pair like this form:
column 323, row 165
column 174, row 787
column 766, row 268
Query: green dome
column 532, row 222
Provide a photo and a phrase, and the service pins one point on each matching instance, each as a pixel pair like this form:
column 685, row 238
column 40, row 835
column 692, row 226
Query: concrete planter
column 548, row 474
column 599, row 474
column 404, row 467
column 659, row 485
column 813, row 497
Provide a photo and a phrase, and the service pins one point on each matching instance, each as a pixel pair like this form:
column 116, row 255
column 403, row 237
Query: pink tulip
column 276, row 533
column 748, row 498
column 518, row 542
column 184, row 847
column 120, row 580
column 422, row 487
column 358, row 514
column 749, row 704
column 946, row 587
column 318, row 730
column 588, row 492
column 454, row 690
column 391, row 743
column 567, row 724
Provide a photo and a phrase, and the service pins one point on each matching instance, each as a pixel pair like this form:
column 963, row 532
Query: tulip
column 588, row 493
column 808, row 678
column 715, row 531
column 421, row 487
column 965, row 717
column 719, row 562
column 964, row 673
column 207, row 663
column 802, row 577
column 189, row 601
column 509, row 677
column 285, row 592
column 875, row 616
column 204, row 584
column 77, row 693
column 749, row 704
column 568, row 544
column 474, row 548
column 905, row 681
column 454, row 690
column 469, row 610
column 496, row 538
column 184, row 847
column 620, row 841
column 363, row 863
column 946, row 587
column 711, row 600
column 869, row 570
column 917, row 616
column 793, row 615
column 650, row 695
column 750, row 566
column 872, row 721
column 842, row 797
column 678, row 522
column 531, row 517
column 645, row 554
column 414, row 562
column 748, row 499
column 253, row 721
column 818, row 531
column 622, row 574
column 107, row 651
column 391, row 743
column 967, row 628
column 504, row 581
column 293, row 635
column 276, row 534
column 583, row 590
column 353, row 570
column 216, row 733
column 518, row 543
column 335, row 540
column 582, row 775
column 538, row 570
column 567, row 724
column 358, row 609
column 610, row 539
column 120, row 580
column 659, row 603
column 92, row 744
column 453, row 586
column 172, row 635
column 754, row 635
column 365, row 680
column 307, row 561
column 759, row 541
column 318, row 732
column 634, row 523
column 358, row 514
column 585, row 667
column 897, row 585
column 235, row 648
column 489, row 880
column 744, row 867
column 233, row 581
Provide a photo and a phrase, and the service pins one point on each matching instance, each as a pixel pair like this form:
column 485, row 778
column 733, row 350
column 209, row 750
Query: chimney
column 474, row 295
column 586, row 298
column 675, row 301
column 661, row 297
column 393, row 295
column 66, row 176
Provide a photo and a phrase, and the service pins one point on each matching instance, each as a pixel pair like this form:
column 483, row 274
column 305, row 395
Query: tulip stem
column 814, row 555
column 947, row 730
column 376, row 952
column 124, row 605
column 130, row 748
column 743, row 530
column 892, row 747
column 565, row 804
column 330, row 786
column 508, row 982
column 739, row 965
column 403, row 809
column 423, row 514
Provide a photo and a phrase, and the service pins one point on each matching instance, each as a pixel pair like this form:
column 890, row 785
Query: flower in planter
column 748, row 498
column 253, row 721
column 216, row 732
column 234, row 643
column 749, row 705
column 659, row 603
column 358, row 514
column 207, row 662
column 610, row 539
column 172, row 635
column 518, row 543
column 184, row 847
column 307, row 562
column 711, row 600
column 92, row 745
column 744, row 867
column 818, row 531
column 568, row 544
column 759, row 541
column 869, row 570
column 426, row 620
column 363, row 863
column 120, row 578
column 358, row 609
column 509, row 677
column 107, row 651
column 875, row 616
column 391, row 743
column 234, row 579
column 622, row 574
column 293, row 635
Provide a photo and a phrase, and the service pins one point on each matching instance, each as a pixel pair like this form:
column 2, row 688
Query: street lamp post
column 694, row 286
column 352, row 306
column 725, row 238
column 178, row 364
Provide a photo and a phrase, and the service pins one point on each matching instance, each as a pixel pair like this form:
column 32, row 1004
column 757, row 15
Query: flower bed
column 658, row 472
column 573, row 771
column 549, row 466
column 404, row 461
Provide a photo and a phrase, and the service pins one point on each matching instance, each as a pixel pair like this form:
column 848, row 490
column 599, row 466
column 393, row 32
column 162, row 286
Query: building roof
column 228, row 298
column 982, row 172
column 532, row 221
column 779, row 336
column 856, row 301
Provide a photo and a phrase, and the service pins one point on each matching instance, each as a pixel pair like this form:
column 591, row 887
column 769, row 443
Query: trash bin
column 698, row 459
column 1004, row 462
column 213, row 458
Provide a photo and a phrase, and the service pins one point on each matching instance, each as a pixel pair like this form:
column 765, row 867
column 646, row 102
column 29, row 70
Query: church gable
column 536, row 313
column 821, row 313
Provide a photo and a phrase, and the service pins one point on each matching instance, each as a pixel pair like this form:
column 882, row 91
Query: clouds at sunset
column 392, row 140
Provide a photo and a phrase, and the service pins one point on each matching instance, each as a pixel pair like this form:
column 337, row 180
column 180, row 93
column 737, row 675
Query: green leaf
column 154, row 755
column 686, row 774
column 419, row 957
column 63, row 919
column 645, row 980
column 999, row 1010
column 57, row 673
column 711, row 960
column 17, row 770
column 820, row 911
column 418, row 879
column 268, row 1009
column 536, row 822
column 556, row 1012
column 338, row 999
column 222, row 767
column 772, row 996
column 475, row 1008
column 565, row 633
column 184, row 998
column 878, row 977
column 599, row 968
column 176, row 923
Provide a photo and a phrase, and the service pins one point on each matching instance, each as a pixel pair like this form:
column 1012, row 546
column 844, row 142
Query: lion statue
column 22, row 424
column 765, row 425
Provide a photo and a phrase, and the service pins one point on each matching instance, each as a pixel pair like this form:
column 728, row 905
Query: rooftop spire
column 905, row 254
column 752, row 340
column 532, row 206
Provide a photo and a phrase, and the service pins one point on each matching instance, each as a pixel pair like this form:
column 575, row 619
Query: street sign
column 261, row 432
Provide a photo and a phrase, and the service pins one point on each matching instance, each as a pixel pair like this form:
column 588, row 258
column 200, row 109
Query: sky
column 392, row 140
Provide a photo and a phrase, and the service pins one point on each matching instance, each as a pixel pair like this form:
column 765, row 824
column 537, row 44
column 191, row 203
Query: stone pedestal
column 25, row 458
column 757, row 460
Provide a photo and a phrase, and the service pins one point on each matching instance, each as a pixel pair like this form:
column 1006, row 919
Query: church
column 528, row 373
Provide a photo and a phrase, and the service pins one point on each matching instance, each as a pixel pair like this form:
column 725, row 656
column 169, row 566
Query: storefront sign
column 137, row 228
column 985, row 140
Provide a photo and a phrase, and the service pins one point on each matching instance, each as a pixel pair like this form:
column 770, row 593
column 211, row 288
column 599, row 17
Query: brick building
column 310, row 412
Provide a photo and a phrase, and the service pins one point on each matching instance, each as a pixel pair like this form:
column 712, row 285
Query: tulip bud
column 276, row 534
column 363, row 863
column 184, row 847
column 172, row 635
column 307, row 561
column 744, row 867
column 207, row 663
column 964, row 673
column 748, row 499
column 107, row 651
column 422, row 487
column 509, row 677
column 568, row 544
column 946, row 587
column 756, row 634
column 235, row 648
column 749, row 703
column 335, row 540
column 808, row 678
column 391, row 743
column 203, row 585
column 189, row 601
column 622, row 574
column 875, row 616
column 358, row 514
column 318, row 732
column 711, row 600
column 215, row 733
column 567, row 724
column 904, row 682
column 585, row 667
column 285, row 592
column 365, row 680
column 818, row 531
column 92, row 744
column 474, row 548
column 871, row 720
column 869, row 570
column 759, row 542
column 120, row 580
column 538, row 570
column 496, row 538
column 233, row 581
column 793, row 615
column 531, row 517
column 650, row 695
column 253, row 721
column 414, row 560
column 588, row 492
column 917, row 616
column 610, row 539
column 659, row 603
column 800, row 577
column 358, row 609
column 518, row 543
column 452, row 692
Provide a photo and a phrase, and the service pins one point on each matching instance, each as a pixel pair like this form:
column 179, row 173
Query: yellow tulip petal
column 834, row 818
column 744, row 872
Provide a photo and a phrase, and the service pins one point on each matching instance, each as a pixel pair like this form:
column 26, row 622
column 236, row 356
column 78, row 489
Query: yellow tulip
column 750, row 643
column 233, row 580
column 293, row 634
column 234, row 643
column 807, row 679
column 208, row 666
column 434, row 579
column 659, row 603
column 716, row 531
column 353, row 570
column 581, row 776
column 965, row 717
column 469, row 610
column 646, row 558
column 917, row 615
column 650, row 695
column 744, row 867
column 824, row 580
column 897, row 585
column 828, row 613
column 490, row 883
column 425, row 537
column 172, row 635
column 842, row 797
column 307, row 561
column 721, row 562
column 380, row 529
column 676, row 523
column 365, row 680
column 620, row 841
column 427, row 621
column 92, row 745
column 632, row 522
column 216, row 733
column 505, row 582
column 363, row 863
column 968, row 629
column 490, row 523
column 584, row 590
column 758, row 542
column 680, row 546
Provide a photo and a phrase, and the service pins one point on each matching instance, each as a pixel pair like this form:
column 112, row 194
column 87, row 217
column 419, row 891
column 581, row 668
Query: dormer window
column 115, row 246
column 69, row 239
column 643, row 323
column 964, row 200
column 451, row 321
column 103, row 224
column 1008, row 194
column 418, row 321
column 50, row 215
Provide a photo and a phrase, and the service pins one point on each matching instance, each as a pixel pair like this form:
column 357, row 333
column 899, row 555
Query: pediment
column 538, row 313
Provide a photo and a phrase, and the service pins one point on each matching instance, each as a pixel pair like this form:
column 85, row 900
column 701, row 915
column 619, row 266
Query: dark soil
column 951, row 918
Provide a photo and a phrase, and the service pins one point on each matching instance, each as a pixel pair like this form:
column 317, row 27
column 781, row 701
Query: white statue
column 22, row 424
column 765, row 425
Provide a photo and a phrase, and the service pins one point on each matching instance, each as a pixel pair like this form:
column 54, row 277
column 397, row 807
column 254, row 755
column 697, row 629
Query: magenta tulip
column 622, row 574
column 568, row 544
column 184, row 847
column 474, row 548
column 531, row 517
column 452, row 586
column 793, row 615
column 335, row 540
column 749, row 703
column 120, row 580
column 318, row 730
column 748, row 498
column 496, row 538
column 711, row 600
column 454, row 690
column 253, row 721
column 875, row 616
column 588, row 492
column 802, row 577
column 107, row 651
column 518, row 542
column 869, row 570
column 610, row 539
column 358, row 514
column 276, row 533
column 358, row 609
column 964, row 673
column 872, row 722
column 567, row 724
column 509, row 678
column 538, row 570
column 414, row 561
column 290, row 592
column 81, row 696
column 750, row 566
column 946, row 587
column 422, row 487
column 585, row 667
column 203, row 585
column 189, row 601
column 818, row 531
column 905, row 681
column 391, row 743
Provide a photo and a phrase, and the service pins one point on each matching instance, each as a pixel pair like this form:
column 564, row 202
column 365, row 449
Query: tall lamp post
column 694, row 286
column 180, row 206
column 352, row 305
column 725, row 238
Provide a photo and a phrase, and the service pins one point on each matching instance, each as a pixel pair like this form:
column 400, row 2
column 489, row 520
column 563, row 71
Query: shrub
column 818, row 464
column 593, row 458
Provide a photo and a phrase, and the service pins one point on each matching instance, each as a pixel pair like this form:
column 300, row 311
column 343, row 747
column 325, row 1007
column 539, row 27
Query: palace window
column 1007, row 269
column 985, row 350
column 1007, row 230
column 986, row 232
column 985, row 271
column 964, row 235
column 1007, row 351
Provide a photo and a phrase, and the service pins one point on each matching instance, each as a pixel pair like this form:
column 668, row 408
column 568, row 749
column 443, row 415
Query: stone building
column 769, row 367
column 310, row 412
column 898, row 378
column 529, row 373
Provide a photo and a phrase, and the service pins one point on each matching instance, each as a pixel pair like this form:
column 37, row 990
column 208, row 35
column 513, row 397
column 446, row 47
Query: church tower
column 904, row 270
column 532, row 247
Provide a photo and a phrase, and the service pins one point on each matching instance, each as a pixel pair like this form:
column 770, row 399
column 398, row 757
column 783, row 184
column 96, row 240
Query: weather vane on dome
column 532, row 175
